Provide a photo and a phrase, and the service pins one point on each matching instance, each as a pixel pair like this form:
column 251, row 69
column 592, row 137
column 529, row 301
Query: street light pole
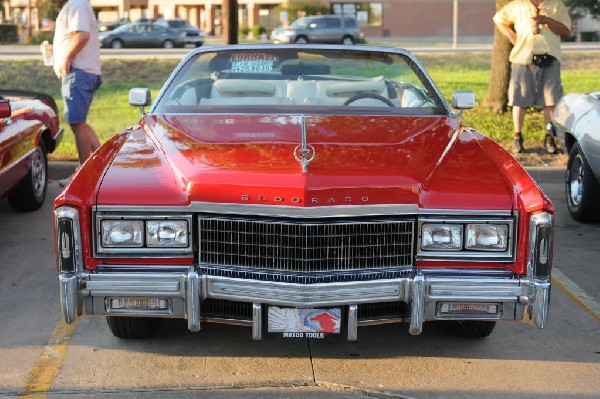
column 455, row 24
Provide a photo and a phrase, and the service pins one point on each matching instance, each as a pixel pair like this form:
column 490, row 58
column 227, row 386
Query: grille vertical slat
column 305, row 246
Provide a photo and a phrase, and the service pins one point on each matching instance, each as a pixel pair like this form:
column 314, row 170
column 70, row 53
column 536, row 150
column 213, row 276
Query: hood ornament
column 304, row 153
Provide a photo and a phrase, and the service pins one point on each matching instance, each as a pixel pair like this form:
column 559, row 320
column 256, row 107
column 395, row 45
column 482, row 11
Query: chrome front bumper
column 521, row 299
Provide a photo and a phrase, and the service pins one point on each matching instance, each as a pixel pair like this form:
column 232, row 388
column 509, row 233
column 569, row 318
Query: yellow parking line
column 49, row 363
column 577, row 294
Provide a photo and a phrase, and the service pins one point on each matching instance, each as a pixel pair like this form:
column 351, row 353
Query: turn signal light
column 456, row 309
column 138, row 304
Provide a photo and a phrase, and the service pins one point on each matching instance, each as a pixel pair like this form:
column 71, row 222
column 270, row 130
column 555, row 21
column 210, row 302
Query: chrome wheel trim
column 301, row 40
column 576, row 175
column 38, row 173
column 348, row 41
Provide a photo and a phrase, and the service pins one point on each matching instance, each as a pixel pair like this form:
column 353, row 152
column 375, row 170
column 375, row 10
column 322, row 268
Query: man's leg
column 518, row 122
column 549, row 143
column 86, row 140
column 519, row 119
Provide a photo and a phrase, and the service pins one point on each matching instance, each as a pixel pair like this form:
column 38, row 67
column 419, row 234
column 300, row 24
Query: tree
column 48, row 9
column 297, row 9
column 591, row 6
column 497, row 96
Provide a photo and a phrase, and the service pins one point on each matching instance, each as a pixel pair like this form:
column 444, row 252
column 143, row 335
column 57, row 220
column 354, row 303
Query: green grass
column 110, row 111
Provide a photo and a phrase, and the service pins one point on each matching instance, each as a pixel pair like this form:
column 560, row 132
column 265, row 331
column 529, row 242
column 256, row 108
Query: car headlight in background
column 122, row 233
column 487, row 237
column 441, row 237
column 167, row 233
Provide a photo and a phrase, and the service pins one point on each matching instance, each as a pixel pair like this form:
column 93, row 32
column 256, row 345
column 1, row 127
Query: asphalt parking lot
column 43, row 358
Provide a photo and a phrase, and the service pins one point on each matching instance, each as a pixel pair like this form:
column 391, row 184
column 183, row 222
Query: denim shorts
column 78, row 88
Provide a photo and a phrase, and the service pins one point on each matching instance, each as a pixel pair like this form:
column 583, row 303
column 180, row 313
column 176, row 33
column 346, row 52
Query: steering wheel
column 374, row 96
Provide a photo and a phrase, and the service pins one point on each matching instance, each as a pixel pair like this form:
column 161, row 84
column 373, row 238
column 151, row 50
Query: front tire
column 582, row 188
column 168, row 44
column 30, row 193
column 301, row 40
column 117, row 44
column 132, row 327
column 469, row 328
column 348, row 40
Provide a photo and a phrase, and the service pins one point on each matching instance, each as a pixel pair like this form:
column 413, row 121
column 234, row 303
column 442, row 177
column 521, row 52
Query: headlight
column 167, row 233
column 441, row 237
column 467, row 238
column 487, row 237
column 122, row 233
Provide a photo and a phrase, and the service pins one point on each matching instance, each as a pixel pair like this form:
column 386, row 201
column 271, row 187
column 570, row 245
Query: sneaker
column 517, row 146
column 64, row 182
column 550, row 145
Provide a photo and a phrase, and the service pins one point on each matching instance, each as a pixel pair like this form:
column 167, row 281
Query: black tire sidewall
column 23, row 197
column 587, row 210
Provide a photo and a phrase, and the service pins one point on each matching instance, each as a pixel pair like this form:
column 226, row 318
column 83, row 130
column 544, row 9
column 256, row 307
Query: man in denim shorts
column 534, row 27
column 76, row 51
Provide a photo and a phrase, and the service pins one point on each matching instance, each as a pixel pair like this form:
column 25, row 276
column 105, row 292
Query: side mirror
column 463, row 100
column 4, row 108
column 140, row 97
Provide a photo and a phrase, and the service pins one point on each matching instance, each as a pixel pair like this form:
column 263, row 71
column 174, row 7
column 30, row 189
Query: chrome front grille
column 302, row 246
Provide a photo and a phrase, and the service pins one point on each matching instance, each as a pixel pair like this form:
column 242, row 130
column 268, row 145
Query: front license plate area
column 303, row 322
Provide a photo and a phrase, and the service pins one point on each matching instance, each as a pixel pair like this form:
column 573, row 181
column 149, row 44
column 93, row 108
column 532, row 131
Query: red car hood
column 430, row 161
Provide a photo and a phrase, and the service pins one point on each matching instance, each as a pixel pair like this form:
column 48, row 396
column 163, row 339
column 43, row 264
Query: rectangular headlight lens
column 122, row 233
column 487, row 237
column 441, row 237
column 167, row 233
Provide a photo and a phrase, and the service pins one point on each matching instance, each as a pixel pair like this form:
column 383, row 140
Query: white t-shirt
column 77, row 15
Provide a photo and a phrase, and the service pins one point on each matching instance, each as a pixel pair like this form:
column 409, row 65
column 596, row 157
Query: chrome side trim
column 417, row 312
column 304, row 212
column 537, row 220
column 257, row 321
column 353, row 323
column 69, row 282
column 537, row 309
column 192, row 295
column 69, row 291
column 18, row 161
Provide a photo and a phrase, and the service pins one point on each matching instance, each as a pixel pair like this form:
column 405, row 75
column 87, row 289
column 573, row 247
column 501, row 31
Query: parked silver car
column 143, row 34
column 319, row 29
column 193, row 34
column 577, row 122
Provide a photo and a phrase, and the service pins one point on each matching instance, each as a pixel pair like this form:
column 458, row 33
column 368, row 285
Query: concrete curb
column 61, row 169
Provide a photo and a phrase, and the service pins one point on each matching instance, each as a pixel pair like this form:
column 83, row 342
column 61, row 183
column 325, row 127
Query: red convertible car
column 303, row 191
column 29, row 130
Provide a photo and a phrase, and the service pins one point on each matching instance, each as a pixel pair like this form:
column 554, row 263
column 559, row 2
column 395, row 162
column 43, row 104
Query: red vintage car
column 304, row 191
column 29, row 130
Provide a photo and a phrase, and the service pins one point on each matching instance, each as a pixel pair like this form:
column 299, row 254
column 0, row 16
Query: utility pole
column 230, row 21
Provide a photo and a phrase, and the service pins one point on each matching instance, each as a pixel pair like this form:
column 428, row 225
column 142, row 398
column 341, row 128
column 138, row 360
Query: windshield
column 295, row 79
column 301, row 23
column 179, row 24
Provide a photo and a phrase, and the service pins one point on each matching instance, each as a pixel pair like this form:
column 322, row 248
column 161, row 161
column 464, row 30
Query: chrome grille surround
column 308, row 246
